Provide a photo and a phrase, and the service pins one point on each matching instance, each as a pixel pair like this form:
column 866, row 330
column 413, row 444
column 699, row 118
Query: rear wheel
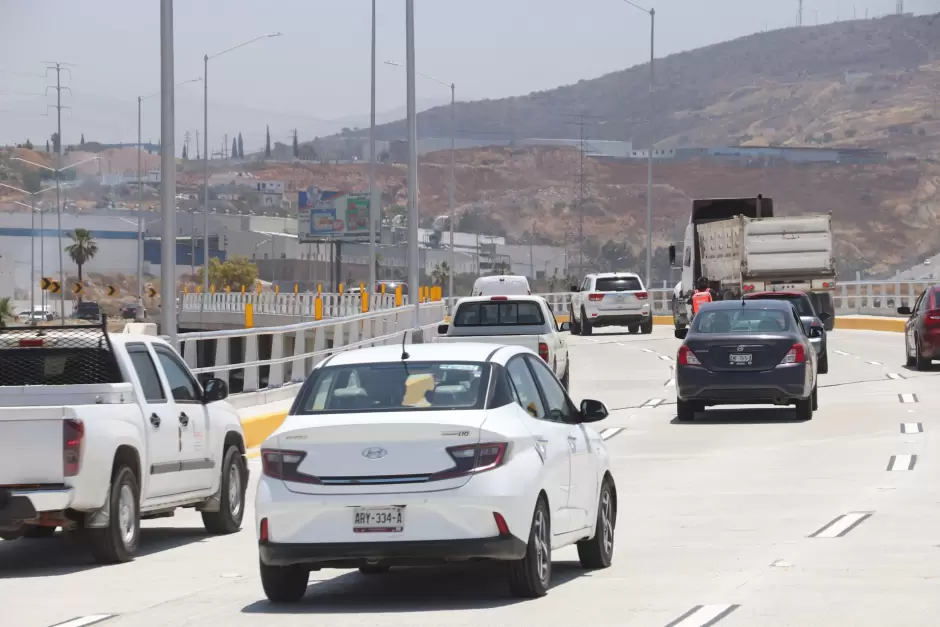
column 586, row 328
column 910, row 360
column 824, row 363
column 815, row 398
column 647, row 327
column 529, row 577
column 598, row 552
column 685, row 410
column 284, row 584
column 118, row 541
column 633, row 328
column 922, row 363
column 575, row 325
column 804, row 407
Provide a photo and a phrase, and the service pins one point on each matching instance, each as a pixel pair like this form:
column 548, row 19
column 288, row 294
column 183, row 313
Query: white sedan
column 433, row 453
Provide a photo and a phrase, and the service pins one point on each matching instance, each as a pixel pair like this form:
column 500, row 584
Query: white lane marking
column 84, row 621
column 874, row 363
column 907, row 398
column 653, row 402
column 665, row 357
column 842, row 525
column 912, row 427
column 606, row 434
column 621, row 344
column 902, row 462
column 703, row 615
column 670, row 382
column 841, row 353
column 894, row 375
column 647, row 350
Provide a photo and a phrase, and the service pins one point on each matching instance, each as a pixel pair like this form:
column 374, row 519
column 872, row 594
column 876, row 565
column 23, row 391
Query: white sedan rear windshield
column 618, row 284
column 499, row 313
column 396, row 386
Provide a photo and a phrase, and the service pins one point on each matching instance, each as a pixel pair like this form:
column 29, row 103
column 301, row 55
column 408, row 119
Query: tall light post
column 168, row 325
column 140, row 195
column 372, row 204
column 58, row 171
column 649, row 164
column 413, row 255
column 205, row 152
column 32, row 247
column 453, row 161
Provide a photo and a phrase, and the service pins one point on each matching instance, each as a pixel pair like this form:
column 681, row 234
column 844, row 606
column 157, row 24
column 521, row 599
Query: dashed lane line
column 912, row 427
column 85, row 621
column 874, row 363
column 908, row 398
column 894, row 375
column 669, row 382
column 653, row 402
column 842, row 525
column 647, row 350
column 606, row 434
column 703, row 615
column 901, row 463
column 665, row 357
column 843, row 353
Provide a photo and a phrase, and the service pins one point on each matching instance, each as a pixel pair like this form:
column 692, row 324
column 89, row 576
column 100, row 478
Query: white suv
column 609, row 299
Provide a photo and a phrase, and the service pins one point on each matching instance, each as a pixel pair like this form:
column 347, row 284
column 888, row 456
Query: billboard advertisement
column 325, row 216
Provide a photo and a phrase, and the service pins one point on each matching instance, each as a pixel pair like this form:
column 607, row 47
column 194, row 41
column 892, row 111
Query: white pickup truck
column 511, row 320
column 98, row 431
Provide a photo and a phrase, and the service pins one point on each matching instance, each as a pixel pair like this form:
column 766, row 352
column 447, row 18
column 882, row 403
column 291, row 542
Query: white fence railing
column 302, row 305
column 268, row 357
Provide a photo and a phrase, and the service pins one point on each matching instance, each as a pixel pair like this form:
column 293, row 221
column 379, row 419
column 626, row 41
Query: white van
column 501, row 285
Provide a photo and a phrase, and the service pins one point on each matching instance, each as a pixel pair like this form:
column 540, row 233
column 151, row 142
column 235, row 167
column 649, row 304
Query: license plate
column 741, row 359
column 378, row 520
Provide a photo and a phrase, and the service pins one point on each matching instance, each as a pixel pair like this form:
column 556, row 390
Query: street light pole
column 453, row 162
column 372, row 204
column 205, row 156
column 58, row 202
column 649, row 163
column 412, row 165
column 167, row 175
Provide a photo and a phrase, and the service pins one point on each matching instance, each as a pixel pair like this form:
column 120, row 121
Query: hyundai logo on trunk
column 374, row 452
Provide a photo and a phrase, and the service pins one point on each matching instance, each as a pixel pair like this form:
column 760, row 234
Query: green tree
column 241, row 147
column 82, row 250
column 296, row 147
column 234, row 148
column 440, row 273
column 235, row 273
column 47, row 146
column 185, row 154
column 55, row 142
column 267, row 143
column 6, row 311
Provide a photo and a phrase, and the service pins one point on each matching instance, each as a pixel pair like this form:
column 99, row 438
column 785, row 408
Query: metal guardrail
column 302, row 305
column 257, row 358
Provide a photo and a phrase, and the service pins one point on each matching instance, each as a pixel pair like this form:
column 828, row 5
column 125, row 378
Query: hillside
column 885, row 215
column 786, row 87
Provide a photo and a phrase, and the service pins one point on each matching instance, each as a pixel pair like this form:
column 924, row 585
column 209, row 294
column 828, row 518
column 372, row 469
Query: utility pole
column 197, row 146
column 581, row 122
column 186, row 141
column 58, row 67
column 799, row 14
column 168, row 323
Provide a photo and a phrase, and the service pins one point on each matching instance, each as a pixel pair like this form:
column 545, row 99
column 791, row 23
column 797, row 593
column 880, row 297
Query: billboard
column 326, row 216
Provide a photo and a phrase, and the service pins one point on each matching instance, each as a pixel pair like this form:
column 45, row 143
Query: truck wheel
column 118, row 541
column 232, row 500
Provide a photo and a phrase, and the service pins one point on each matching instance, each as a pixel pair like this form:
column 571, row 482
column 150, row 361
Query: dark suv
column 88, row 310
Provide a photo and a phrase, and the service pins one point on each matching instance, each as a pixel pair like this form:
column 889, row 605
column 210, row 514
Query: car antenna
column 404, row 352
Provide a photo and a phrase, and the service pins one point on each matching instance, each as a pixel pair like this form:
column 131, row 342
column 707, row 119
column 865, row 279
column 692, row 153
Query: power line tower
column 58, row 67
column 293, row 134
column 900, row 7
column 186, row 142
column 582, row 121
column 197, row 146
column 799, row 14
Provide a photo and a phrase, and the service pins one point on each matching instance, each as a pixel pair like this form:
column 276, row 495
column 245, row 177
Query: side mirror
column 564, row 326
column 442, row 329
column 681, row 333
column 593, row 411
column 824, row 317
column 214, row 390
column 672, row 254
column 574, row 288
column 904, row 311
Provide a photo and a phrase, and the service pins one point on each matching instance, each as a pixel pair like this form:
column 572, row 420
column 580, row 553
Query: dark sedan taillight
column 686, row 357
column 796, row 355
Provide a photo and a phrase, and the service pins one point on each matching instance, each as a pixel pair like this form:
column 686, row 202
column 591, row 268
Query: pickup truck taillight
column 641, row 295
column 595, row 297
column 543, row 351
column 73, row 435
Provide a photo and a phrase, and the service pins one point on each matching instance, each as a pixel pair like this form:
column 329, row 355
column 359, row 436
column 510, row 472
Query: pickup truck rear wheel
column 118, row 541
column 232, row 500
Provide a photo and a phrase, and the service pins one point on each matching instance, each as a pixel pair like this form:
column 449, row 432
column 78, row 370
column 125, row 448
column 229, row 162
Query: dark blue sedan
column 746, row 352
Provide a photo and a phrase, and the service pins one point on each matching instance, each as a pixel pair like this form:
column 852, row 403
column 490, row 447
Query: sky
column 316, row 76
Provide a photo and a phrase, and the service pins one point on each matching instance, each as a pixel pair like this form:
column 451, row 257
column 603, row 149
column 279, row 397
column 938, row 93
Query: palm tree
column 82, row 250
column 440, row 272
column 6, row 310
